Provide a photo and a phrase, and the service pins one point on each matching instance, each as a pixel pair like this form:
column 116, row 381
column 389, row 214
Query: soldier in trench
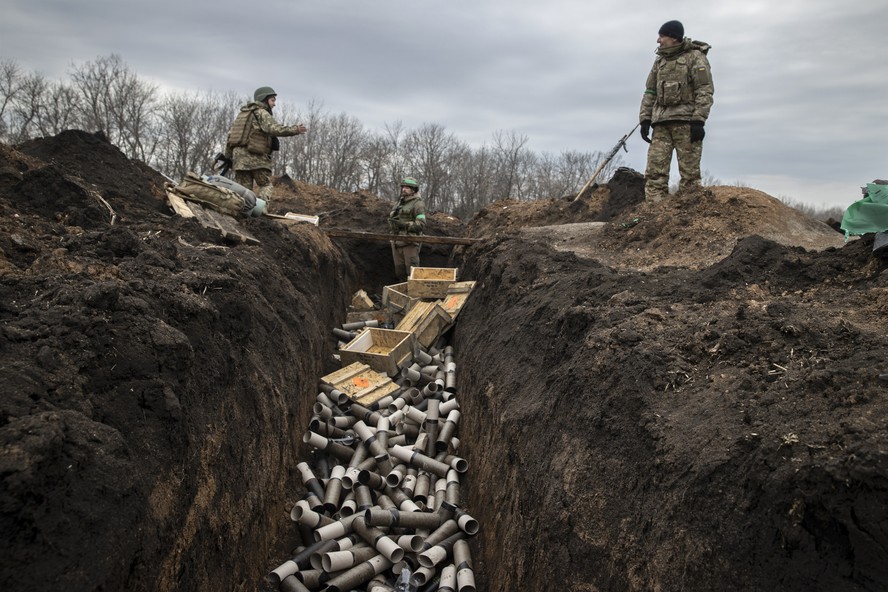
column 407, row 219
column 252, row 140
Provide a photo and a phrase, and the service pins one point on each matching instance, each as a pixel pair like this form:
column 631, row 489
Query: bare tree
column 510, row 162
column 132, row 106
column 25, row 111
column 303, row 159
column 178, row 116
column 574, row 169
column 93, row 81
column 10, row 86
column 193, row 128
column 377, row 158
column 426, row 153
column 115, row 101
column 474, row 180
column 60, row 109
column 348, row 139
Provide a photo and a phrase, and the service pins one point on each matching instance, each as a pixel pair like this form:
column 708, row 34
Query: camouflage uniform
column 407, row 219
column 678, row 91
column 252, row 163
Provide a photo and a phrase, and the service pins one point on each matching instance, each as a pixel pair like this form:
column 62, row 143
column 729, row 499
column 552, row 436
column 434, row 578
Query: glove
column 646, row 130
column 697, row 131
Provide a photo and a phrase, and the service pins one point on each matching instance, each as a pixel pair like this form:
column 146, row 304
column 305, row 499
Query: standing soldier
column 253, row 137
column 407, row 219
column 676, row 103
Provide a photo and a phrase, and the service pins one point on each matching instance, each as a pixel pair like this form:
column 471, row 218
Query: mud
column 687, row 397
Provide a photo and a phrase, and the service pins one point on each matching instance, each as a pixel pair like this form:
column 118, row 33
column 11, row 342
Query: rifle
column 607, row 159
column 225, row 164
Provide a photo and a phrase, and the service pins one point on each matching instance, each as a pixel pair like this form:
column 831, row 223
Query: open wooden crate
column 384, row 350
column 395, row 298
column 430, row 282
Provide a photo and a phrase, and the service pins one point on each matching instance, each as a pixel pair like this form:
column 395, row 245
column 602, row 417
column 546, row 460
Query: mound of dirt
column 617, row 227
column 156, row 379
column 721, row 428
column 686, row 395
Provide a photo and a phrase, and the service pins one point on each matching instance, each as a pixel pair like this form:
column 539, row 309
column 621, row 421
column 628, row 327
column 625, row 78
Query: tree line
column 179, row 132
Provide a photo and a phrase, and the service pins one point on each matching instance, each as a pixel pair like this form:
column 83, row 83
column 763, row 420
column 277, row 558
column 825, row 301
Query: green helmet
column 410, row 182
column 262, row 93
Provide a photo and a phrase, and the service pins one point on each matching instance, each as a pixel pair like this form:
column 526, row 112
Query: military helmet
column 410, row 182
column 262, row 93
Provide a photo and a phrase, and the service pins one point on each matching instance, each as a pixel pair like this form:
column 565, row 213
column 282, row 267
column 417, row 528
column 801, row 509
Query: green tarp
column 870, row 214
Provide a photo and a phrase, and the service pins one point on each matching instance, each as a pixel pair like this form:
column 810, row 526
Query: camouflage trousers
column 262, row 178
column 666, row 138
column 405, row 255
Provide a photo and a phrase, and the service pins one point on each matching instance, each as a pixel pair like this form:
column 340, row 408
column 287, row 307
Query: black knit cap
column 673, row 29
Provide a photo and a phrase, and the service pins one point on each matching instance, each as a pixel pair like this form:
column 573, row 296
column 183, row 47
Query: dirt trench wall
column 156, row 384
column 675, row 430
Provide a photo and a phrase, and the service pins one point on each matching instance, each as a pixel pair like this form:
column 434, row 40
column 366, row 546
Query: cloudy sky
column 800, row 85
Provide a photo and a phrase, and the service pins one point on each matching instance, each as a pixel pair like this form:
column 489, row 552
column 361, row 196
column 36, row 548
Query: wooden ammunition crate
column 384, row 350
column 361, row 383
column 456, row 297
column 427, row 320
column 395, row 298
column 430, row 282
column 380, row 316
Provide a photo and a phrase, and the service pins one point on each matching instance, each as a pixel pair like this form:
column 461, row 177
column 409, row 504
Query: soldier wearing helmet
column 252, row 139
column 407, row 219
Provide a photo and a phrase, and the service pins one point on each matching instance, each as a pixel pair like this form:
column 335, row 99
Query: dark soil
column 684, row 396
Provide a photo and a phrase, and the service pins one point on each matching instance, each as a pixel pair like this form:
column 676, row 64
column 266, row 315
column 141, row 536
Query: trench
column 525, row 445
column 622, row 430
column 381, row 506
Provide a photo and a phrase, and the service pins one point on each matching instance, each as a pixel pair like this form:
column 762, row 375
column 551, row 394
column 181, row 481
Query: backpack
column 219, row 198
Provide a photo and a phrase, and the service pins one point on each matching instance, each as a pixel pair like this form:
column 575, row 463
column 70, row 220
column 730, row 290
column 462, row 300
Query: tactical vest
column 245, row 132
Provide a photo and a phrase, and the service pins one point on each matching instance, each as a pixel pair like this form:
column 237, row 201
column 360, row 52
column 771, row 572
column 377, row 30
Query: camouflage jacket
column 679, row 86
column 408, row 217
column 262, row 128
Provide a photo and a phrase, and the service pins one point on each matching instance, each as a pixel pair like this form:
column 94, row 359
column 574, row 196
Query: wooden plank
column 372, row 394
column 292, row 217
column 179, row 205
column 344, row 373
column 228, row 226
column 361, row 383
column 456, row 297
column 209, row 218
column 373, row 236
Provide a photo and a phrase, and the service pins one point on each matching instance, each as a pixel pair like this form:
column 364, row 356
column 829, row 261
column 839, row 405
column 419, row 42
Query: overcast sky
column 801, row 86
